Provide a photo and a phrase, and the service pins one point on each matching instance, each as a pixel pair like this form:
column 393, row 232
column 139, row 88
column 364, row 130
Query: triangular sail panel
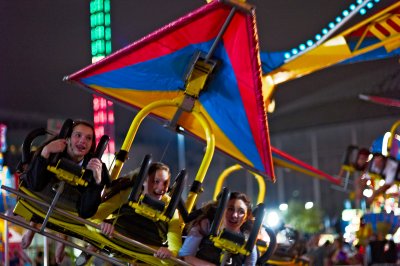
column 154, row 68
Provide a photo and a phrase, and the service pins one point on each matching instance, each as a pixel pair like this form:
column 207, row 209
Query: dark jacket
column 85, row 200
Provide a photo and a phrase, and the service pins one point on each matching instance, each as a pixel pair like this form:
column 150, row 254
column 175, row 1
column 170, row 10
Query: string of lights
column 361, row 7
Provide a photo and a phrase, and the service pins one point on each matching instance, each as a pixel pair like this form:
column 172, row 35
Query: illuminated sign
column 103, row 111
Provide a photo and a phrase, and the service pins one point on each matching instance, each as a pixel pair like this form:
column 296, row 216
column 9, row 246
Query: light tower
column 103, row 111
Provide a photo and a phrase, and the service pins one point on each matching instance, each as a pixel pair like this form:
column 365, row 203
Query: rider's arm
column 174, row 235
column 105, row 175
column 252, row 259
column 109, row 206
column 191, row 245
column 37, row 175
column 189, row 250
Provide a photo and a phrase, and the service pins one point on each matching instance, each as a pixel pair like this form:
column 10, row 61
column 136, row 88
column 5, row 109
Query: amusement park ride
column 376, row 188
column 213, row 64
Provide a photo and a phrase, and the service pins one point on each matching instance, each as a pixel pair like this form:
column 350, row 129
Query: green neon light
column 100, row 33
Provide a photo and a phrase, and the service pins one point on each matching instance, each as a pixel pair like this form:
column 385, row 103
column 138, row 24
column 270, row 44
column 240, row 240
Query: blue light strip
column 360, row 6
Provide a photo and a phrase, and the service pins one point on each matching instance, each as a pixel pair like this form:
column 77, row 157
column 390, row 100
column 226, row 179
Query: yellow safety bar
column 210, row 139
column 236, row 167
column 282, row 262
column 130, row 136
column 68, row 177
column 147, row 211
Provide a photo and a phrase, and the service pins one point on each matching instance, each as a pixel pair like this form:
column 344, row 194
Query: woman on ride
column 165, row 237
column 198, row 249
column 77, row 147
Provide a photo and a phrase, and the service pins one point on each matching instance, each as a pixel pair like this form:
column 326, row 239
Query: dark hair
column 131, row 175
column 242, row 196
column 158, row 166
column 75, row 123
column 128, row 180
column 363, row 151
column 208, row 211
column 364, row 164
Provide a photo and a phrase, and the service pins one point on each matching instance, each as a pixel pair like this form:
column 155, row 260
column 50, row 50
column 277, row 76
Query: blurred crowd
column 378, row 251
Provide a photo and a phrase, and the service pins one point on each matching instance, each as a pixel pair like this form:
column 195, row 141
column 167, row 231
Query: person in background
column 360, row 166
column 377, row 248
column 19, row 257
column 319, row 256
column 390, row 252
column 39, row 258
column 377, row 166
column 338, row 254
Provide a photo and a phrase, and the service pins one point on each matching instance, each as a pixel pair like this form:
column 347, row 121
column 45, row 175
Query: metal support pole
column 45, row 251
column 316, row 181
column 60, row 189
column 6, row 244
column 280, row 179
column 220, row 33
column 181, row 155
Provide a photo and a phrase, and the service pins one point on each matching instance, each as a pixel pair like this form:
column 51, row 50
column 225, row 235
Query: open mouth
column 80, row 148
column 233, row 222
column 158, row 194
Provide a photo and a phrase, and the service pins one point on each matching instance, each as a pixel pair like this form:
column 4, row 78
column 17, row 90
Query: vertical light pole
column 103, row 111
column 314, row 158
column 181, row 155
column 280, row 180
